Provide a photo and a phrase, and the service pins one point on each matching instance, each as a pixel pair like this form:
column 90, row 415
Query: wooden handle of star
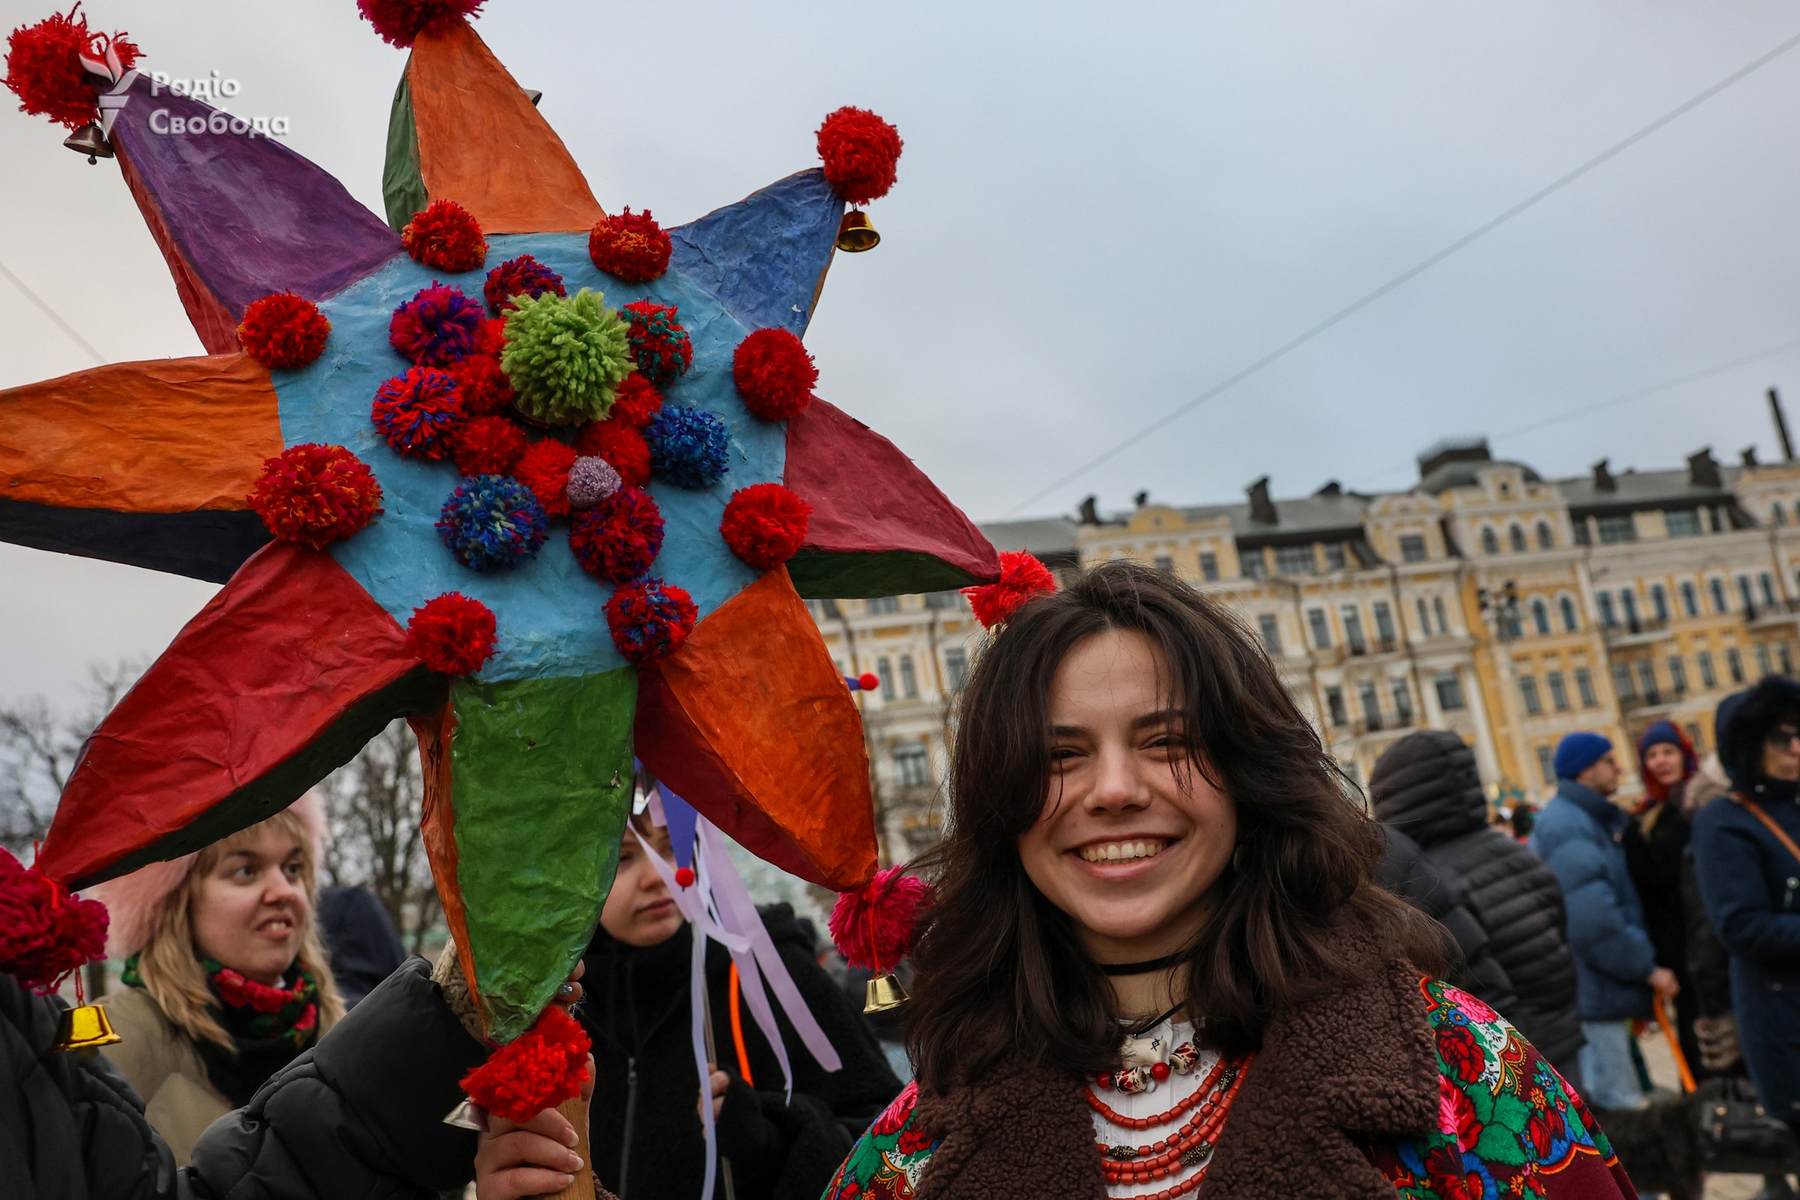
column 576, row 1110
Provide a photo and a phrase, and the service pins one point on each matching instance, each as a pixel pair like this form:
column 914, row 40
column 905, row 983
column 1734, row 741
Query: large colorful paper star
column 302, row 656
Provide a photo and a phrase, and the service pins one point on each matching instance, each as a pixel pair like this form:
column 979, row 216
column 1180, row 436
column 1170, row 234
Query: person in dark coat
column 1406, row 872
column 360, row 938
column 1427, row 787
column 1750, row 881
column 1579, row 835
column 644, row 1123
column 1656, row 842
column 359, row 1114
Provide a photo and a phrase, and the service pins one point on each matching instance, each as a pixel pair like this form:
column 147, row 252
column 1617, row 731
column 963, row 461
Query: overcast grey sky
column 1102, row 212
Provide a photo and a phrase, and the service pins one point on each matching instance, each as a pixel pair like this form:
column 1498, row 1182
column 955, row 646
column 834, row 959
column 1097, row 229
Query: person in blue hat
column 1580, row 835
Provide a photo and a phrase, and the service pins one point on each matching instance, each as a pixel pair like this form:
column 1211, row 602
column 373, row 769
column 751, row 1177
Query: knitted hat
column 1579, row 751
column 135, row 901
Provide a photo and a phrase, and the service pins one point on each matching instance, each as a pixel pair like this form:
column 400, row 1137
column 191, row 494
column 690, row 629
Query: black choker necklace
column 1142, row 968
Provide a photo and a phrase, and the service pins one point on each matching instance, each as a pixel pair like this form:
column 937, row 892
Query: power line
column 43, row 306
column 1412, row 272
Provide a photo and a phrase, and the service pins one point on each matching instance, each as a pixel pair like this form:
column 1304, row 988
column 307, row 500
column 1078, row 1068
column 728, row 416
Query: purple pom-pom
column 591, row 480
column 437, row 327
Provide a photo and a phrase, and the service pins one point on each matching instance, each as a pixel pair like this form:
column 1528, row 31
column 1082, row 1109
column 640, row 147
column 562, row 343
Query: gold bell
column 89, row 140
column 84, row 1027
column 883, row 994
column 855, row 234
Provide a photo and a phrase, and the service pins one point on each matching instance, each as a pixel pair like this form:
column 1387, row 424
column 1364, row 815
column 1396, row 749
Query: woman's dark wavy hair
column 999, row 973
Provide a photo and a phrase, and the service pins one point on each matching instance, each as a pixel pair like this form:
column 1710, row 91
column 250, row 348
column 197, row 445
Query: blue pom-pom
column 688, row 446
column 492, row 523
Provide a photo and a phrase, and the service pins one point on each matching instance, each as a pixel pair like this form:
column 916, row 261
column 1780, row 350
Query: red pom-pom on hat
column 283, row 330
column 45, row 933
column 1022, row 577
column 621, row 445
column 446, row 237
column 315, row 495
column 540, row 1069
column 43, row 67
column 487, row 445
column 544, row 468
column 452, row 634
column 765, row 524
column 400, row 22
column 774, row 374
column 876, row 926
column 861, row 153
column 630, row 246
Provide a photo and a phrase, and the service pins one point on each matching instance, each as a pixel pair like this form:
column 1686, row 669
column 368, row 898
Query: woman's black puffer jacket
column 1427, row 786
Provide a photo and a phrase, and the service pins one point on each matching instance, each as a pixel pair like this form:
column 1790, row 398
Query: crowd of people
column 1156, row 919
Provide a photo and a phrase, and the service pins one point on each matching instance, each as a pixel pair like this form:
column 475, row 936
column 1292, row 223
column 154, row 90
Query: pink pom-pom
column 1022, row 578
column 877, row 925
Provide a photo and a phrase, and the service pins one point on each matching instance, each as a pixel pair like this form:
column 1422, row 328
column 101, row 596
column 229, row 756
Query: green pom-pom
column 566, row 357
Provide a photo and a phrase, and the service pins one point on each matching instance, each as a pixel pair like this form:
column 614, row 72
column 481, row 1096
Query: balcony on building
column 1637, row 631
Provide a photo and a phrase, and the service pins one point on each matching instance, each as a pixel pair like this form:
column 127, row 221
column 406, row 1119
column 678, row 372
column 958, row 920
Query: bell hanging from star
column 855, row 234
column 91, row 141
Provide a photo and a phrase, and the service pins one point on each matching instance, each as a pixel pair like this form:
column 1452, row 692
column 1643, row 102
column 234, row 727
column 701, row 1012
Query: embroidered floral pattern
column 887, row 1162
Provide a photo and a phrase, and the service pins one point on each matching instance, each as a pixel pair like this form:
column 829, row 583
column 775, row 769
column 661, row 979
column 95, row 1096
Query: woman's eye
column 293, row 870
column 1063, row 754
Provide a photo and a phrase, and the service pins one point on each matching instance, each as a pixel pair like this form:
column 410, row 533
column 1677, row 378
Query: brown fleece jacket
column 1349, row 1067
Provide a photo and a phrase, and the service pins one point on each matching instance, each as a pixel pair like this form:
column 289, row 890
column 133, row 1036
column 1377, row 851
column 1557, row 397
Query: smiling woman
column 227, row 981
column 1158, row 958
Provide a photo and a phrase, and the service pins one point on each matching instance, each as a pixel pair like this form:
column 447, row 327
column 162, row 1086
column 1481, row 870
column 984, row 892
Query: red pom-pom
column 446, row 237
column 1022, row 577
column 491, row 337
column 875, row 926
column 487, row 445
column 619, row 444
column 650, row 620
column 452, row 634
column 315, row 495
column 868, row 681
column 420, row 412
column 685, row 877
column 521, row 276
column 774, row 374
column 637, row 402
column 629, row 246
column 618, row 538
column 765, row 524
column 438, row 327
column 45, row 933
column 544, row 468
column 483, row 384
column 283, row 330
column 660, row 347
column 539, row 1070
column 43, row 67
column 861, row 153
column 400, row 22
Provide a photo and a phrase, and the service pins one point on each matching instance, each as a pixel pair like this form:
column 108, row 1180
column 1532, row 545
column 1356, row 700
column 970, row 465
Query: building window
column 1647, row 678
column 1709, row 678
column 1490, row 541
column 912, row 765
column 1571, row 622
column 944, row 601
column 1546, row 765
column 1165, row 564
column 1371, row 705
column 1437, row 606
column 956, row 665
column 1717, row 588
column 1778, row 513
column 1745, row 594
column 1252, row 564
column 881, row 606
column 1734, row 665
column 1321, row 628
column 1449, row 692
column 1270, row 625
column 1690, row 598
column 909, row 679
column 1529, row 690
column 1683, row 522
column 1424, row 618
column 1384, row 622
column 1295, row 560
column 1334, row 704
column 1334, row 556
column 1693, row 732
column 1559, row 691
column 1605, row 601
column 1622, row 683
column 1209, row 566
column 1540, row 617
column 1628, row 604
column 1615, row 529
column 1786, row 657
column 1516, row 535
column 1763, row 665
column 1584, row 687
column 828, row 609
column 1677, row 675
column 1546, row 539
column 884, row 667
column 1659, row 602
column 1353, row 630
column 1412, row 547
column 1403, row 707
column 1767, row 582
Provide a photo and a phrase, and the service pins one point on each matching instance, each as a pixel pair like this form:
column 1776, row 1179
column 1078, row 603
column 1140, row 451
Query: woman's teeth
column 1119, row 851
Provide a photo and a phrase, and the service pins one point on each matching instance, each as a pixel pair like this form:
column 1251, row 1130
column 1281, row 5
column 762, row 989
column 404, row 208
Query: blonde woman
column 226, row 980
